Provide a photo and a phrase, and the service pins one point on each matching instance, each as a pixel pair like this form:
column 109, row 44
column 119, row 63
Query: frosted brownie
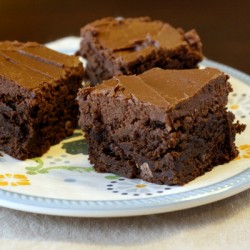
column 38, row 88
column 115, row 46
column 163, row 126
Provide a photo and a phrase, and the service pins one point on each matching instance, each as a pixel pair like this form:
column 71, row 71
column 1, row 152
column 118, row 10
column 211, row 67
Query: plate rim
column 140, row 206
column 122, row 208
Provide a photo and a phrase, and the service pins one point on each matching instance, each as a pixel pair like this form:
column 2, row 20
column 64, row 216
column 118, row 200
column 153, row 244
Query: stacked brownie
column 117, row 46
column 38, row 88
column 163, row 126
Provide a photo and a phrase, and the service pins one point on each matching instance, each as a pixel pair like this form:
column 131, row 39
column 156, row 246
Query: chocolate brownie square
column 116, row 46
column 38, row 88
column 163, row 126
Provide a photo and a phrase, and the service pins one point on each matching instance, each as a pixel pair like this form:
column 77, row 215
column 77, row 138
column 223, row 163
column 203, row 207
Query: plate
column 62, row 181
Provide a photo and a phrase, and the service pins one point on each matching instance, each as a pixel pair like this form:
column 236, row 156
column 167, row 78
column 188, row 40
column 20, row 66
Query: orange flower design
column 234, row 106
column 239, row 104
column 244, row 152
column 14, row 180
column 140, row 186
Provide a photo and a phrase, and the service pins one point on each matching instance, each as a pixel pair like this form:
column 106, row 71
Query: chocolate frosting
column 31, row 64
column 164, row 88
column 138, row 35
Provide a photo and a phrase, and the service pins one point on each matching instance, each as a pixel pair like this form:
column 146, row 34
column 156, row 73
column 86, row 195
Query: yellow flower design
column 239, row 104
column 140, row 186
column 244, row 152
column 234, row 106
column 14, row 180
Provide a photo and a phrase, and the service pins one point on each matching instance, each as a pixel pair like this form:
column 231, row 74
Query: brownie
column 117, row 46
column 38, row 88
column 163, row 126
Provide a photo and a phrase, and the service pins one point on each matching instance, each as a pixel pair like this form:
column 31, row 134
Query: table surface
column 220, row 225
column 224, row 27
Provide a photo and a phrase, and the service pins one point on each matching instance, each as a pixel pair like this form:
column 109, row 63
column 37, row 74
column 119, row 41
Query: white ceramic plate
column 62, row 182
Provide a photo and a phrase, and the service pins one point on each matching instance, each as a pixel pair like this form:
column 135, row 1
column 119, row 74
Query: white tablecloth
column 221, row 225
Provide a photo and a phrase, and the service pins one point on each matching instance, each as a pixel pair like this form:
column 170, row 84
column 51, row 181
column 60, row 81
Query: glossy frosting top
column 130, row 36
column 164, row 88
column 30, row 64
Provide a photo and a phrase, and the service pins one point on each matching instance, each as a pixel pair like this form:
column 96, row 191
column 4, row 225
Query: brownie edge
column 163, row 126
column 127, row 46
column 38, row 87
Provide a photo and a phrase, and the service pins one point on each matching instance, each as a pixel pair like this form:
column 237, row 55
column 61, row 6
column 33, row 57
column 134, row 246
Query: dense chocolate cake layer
column 163, row 126
column 114, row 46
column 38, row 87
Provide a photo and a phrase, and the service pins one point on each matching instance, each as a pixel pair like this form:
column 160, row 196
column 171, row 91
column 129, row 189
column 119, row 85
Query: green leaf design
column 39, row 161
column 37, row 168
column 112, row 177
column 40, row 169
column 76, row 147
column 89, row 169
column 31, row 173
column 43, row 171
column 32, row 168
